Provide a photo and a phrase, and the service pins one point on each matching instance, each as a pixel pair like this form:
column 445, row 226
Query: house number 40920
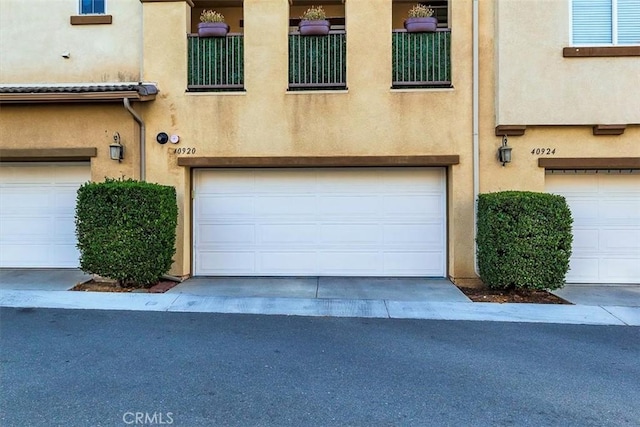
column 185, row 150
column 543, row 151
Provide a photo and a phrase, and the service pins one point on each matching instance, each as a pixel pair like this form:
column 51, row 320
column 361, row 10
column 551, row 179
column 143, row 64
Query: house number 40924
column 543, row 151
column 185, row 150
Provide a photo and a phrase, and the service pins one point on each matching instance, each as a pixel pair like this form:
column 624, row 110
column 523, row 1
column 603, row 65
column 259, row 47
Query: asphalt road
column 109, row 368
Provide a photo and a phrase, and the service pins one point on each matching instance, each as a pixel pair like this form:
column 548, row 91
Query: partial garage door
column 37, row 209
column 308, row 222
column 606, row 229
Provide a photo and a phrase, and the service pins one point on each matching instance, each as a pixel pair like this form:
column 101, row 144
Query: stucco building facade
column 360, row 153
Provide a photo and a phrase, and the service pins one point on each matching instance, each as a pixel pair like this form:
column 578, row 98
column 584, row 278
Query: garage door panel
column 25, row 199
column 62, row 228
column 349, row 233
column 620, row 269
column 287, row 263
column 294, row 205
column 625, row 208
column 319, row 221
column 22, row 255
column 64, row 255
column 226, row 262
column 606, row 229
column 430, row 262
column 429, row 205
column 288, row 233
column 582, row 268
column 220, row 206
column 39, row 229
column 582, row 210
column 620, row 240
column 423, row 235
column 347, row 262
column 65, row 199
column 217, row 234
column 348, row 205
column 585, row 239
column 226, row 182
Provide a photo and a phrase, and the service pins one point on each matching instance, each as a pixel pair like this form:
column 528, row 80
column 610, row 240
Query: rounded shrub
column 126, row 230
column 524, row 240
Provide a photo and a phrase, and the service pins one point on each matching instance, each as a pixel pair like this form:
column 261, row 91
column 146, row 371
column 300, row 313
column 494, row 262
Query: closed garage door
column 351, row 222
column 606, row 229
column 37, row 209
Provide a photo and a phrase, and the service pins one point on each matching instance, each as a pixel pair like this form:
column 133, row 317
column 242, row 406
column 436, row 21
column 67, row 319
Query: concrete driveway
column 354, row 288
column 38, row 279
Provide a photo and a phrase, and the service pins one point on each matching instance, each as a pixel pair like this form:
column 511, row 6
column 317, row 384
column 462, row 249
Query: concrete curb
column 186, row 303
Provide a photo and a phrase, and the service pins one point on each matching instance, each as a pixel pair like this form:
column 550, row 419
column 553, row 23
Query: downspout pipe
column 138, row 119
column 476, row 143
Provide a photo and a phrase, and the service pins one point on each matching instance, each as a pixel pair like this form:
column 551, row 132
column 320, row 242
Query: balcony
column 215, row 64
column 421, row 60
column 318, row 62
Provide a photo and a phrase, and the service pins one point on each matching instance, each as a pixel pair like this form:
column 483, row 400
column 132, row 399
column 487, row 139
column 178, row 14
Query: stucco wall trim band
column 600, row 51
column 609, row 129
column 590, row 163
column 47, row 154
column 305, row 162
column 510, row 130
column 91, row 19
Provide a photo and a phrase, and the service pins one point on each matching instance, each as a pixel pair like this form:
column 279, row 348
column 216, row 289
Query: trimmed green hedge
column 524, row 240
column 126, row 230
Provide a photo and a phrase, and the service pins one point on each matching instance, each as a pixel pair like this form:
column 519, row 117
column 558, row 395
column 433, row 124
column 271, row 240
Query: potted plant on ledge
column 313, row 22
column 212, row 24
column 421, row 20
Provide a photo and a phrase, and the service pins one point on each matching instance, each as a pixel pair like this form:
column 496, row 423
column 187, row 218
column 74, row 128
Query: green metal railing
column 318, row 62
column 215, row 63
column 421, row 59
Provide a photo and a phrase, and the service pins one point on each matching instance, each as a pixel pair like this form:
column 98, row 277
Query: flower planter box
column 314, row 28
column 421, row 25
column 213, row 29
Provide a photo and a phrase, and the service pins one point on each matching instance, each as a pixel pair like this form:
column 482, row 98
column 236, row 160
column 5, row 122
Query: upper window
column 91, row 6
column 605, row 22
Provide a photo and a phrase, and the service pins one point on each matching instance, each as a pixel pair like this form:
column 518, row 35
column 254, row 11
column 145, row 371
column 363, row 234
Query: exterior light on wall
column 504, row 152
column 116, row 150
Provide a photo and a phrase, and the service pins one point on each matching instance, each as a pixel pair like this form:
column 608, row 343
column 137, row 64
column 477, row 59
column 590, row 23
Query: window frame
column 81, row 13
column 614, row 29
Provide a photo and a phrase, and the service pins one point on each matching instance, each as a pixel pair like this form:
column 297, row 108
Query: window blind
column 592, row 21
column 629, row 22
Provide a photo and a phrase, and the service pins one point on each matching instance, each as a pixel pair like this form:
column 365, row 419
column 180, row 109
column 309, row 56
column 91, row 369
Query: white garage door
column 350, row 222
column 606, row 228
column 37, row 209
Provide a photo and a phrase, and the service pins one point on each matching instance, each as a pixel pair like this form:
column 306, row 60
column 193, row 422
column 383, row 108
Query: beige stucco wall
column 537, row 85
column 75, row 126
column 267, row 120
column 33, row 40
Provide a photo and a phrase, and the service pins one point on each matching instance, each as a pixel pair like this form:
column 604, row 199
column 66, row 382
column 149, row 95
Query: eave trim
column 35, row 98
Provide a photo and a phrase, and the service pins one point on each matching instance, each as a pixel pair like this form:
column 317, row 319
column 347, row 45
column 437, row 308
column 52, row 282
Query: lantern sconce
column 116, row 150
column 504, row 152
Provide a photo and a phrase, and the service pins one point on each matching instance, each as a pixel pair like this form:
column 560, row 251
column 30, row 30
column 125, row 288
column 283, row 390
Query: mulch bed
column 93, row 286
column 512, row 295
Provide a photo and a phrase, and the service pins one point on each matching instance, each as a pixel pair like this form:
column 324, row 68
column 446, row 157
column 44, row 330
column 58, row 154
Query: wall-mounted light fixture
column 504, row 152
column 116, row 150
